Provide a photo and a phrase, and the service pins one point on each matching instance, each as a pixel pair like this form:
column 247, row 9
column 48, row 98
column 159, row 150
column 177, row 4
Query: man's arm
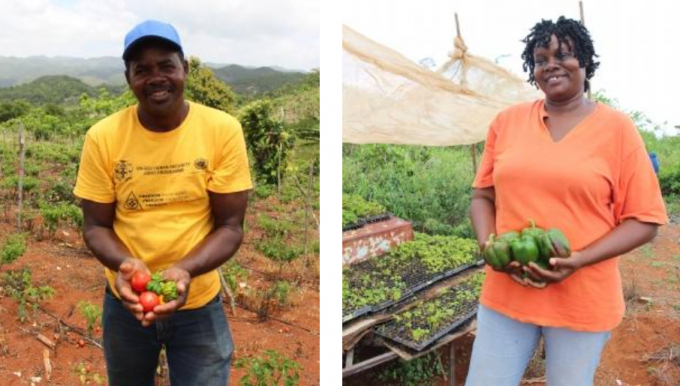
column 111, row 252
column 228, row 210
column 99, row 235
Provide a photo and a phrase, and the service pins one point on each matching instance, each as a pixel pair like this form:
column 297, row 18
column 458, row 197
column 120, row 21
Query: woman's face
column 557, row 72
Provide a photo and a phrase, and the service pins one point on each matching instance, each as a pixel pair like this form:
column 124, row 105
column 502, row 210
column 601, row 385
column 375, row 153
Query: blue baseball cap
column 151, row 29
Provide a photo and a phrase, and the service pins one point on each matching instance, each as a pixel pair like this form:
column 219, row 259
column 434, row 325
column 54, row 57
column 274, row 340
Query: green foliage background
column 431, row 186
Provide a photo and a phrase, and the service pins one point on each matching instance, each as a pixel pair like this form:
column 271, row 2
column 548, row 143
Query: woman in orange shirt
column 577, row 165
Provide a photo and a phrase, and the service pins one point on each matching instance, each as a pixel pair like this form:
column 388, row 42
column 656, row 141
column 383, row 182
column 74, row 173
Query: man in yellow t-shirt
column 164, row 188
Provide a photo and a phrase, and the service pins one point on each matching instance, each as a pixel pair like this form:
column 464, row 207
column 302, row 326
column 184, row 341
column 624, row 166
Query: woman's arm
column 483, row 213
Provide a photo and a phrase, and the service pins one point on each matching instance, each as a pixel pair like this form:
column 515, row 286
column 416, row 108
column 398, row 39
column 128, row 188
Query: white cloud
column 283, row 33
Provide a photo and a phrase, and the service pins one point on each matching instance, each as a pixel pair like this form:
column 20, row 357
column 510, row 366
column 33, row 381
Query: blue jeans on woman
column 503, row 348
column 197, row 343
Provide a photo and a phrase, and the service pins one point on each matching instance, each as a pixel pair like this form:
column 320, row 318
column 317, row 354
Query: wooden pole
column 452, row 364
column 583, row 22
column 473, row 147
column 22, row 158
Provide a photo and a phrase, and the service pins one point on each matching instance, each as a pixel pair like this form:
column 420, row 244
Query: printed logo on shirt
column 132, row 203
column 201, row 163
column 123, row 171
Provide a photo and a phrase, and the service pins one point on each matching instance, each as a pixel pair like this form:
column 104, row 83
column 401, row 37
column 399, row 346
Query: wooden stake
column 22, row 159
column 457, row 25
column 227, row 292
column 583, row 23
column 46, row 341
column 473, row 148
column 47, row 363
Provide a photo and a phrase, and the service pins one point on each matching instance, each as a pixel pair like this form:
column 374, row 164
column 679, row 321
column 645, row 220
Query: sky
column 282, row 33
column 638, row 43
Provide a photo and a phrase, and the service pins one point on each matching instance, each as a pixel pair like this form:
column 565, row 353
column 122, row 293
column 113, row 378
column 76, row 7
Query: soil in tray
column 420, row 324
column 380, row 282
column 363, row 221
column 368, row 284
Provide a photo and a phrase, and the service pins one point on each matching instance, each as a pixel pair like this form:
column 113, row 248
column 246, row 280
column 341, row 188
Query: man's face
column 157, row 78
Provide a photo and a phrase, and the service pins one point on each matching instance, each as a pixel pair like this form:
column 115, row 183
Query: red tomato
column 139, row 281
column 148, row 300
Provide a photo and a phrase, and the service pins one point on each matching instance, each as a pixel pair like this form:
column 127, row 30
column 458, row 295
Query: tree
column 267, row 139
column 203, row 87
column 13, row 109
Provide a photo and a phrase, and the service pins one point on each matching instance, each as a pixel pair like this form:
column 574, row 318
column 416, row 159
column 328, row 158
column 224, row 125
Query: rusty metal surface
column 374, row 239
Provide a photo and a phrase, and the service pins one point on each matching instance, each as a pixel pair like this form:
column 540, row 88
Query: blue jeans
column 503, row 348
column 197, row 342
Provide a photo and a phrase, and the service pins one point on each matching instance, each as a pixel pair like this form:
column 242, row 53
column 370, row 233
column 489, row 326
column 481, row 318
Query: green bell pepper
column 496, row 252
column 524, row 250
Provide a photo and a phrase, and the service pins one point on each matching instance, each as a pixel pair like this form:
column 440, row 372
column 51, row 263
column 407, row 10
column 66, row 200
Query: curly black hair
column 562, row 29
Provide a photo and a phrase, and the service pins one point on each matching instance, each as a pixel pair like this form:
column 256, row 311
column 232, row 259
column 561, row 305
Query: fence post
column 22, row 158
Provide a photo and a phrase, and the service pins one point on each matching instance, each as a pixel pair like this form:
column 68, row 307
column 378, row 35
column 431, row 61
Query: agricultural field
column 51, row 286
column 431, row 188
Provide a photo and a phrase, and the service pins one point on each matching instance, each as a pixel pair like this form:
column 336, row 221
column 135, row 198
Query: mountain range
column 109, row 70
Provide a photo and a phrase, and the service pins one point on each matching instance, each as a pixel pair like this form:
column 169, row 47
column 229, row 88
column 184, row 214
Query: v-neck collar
column 543, row 115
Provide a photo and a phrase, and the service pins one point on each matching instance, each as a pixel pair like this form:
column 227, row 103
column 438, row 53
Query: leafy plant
column 275, row 227
column 13, row 248
column 420, row 371
column 272, row 369
column 430, row 316
column 85, row 375
column 267, row 140
column 278, row 250
column 233, row 273
column 92, row 313
column 355, row 207
column 54, row 214
column 19, row 286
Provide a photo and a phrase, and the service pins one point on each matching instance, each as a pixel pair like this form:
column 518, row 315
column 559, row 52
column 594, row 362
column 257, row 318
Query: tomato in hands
column 148, row 300
column 139, row 281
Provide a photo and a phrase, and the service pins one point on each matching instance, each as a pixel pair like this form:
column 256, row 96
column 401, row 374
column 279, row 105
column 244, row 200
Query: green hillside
column 246, row 81
column 56, row 89
column 255, row 81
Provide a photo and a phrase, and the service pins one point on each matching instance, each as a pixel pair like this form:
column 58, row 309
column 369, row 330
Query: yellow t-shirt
column 160, row 184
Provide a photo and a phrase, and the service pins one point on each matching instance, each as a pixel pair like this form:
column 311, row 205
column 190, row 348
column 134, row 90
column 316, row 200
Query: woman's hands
column 532, row 275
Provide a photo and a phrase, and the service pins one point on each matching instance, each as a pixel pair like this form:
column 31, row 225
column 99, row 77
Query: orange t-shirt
column 586, row 184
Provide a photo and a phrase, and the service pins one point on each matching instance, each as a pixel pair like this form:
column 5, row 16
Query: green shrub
column 420, row 371
column 272, row 369
column 20, row 287
column 92, row 313
column 264, row 190
column 274, row 227
column 278, row 250
column 267, row 140
column 13, row 248
column 416, row 183
column 55, row 214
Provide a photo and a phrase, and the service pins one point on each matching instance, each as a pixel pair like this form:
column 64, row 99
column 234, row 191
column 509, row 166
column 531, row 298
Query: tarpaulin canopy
column 386, row 98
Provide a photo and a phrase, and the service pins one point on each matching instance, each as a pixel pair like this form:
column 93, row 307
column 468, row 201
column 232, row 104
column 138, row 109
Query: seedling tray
column 397, row 331
column 418, row 278
column 363, row 221
column 414, row 276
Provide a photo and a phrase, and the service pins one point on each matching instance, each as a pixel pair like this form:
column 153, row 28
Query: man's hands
column 130, row 299
column 183, row 280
